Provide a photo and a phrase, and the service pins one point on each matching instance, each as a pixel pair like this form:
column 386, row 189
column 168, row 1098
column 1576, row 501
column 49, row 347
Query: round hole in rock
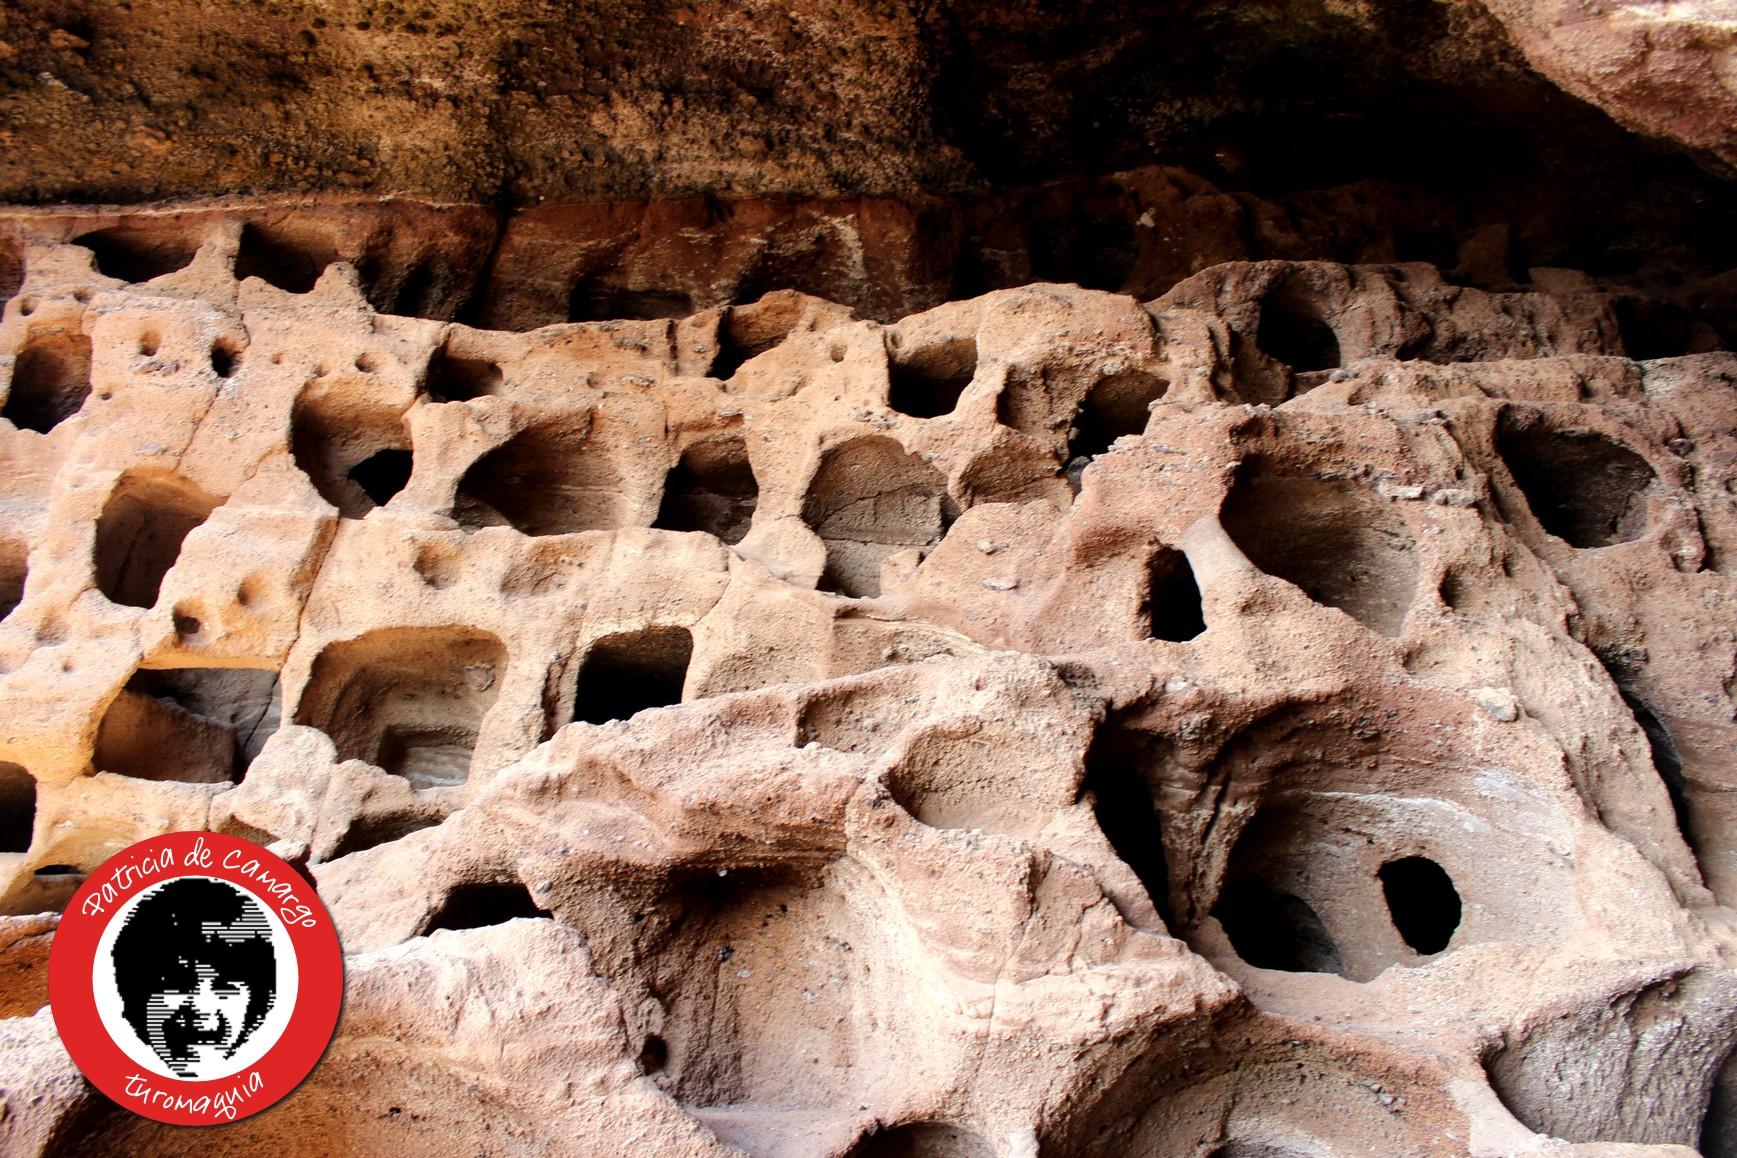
column 927, row 381
column 632, row 672
column 1423, row 902
column 50, row 381
column 139, row 535
column 653, row 1055
column 17, row 807
column 1582, row 487
column 224, row 354
column 135, row 255
column 451, row 378
column 382, row 474
column 1294, row 333
column 408, row 700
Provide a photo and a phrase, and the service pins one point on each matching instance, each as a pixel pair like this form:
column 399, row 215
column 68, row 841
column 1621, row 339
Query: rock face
column 1289, row 716
column 955, row 581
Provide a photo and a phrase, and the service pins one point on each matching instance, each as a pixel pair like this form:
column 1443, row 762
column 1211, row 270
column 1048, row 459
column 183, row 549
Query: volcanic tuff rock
column 1291, row 716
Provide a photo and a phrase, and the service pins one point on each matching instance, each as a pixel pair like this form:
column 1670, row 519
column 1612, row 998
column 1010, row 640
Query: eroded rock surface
column 1291, row 716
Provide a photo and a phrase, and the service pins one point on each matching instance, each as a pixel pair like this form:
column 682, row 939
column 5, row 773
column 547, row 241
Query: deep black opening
column 1173, row 598
column 50, row 381
column 594, row 300
column 632, row 672
column 224, row 355
column 1119, row 405
column 479, row 906
column 291, row 264
column 454, row 379
column 1423, row 902
column 653, row 1055
column 1127, row 813
column 139, row 536
column 133, row 256
column 1297, row 336
column 1653, row 329
column 1582, row 487
column 60, row 870
column 382, row 474
column 1271, row 929
column 711, row 489
column 927, row 383
column 17, row 807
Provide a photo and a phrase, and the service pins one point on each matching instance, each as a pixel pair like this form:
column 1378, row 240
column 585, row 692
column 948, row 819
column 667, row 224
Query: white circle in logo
column 195, row 978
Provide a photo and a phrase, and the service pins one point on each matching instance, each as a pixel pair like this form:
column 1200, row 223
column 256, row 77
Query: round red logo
column 195, row 978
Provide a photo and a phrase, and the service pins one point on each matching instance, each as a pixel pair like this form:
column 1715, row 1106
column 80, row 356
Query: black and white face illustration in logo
column 196, row 972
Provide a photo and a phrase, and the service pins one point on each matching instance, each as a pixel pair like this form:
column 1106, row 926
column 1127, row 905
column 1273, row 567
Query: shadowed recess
column 870, row 500
column 1582, row 487
column 290, row 259
column 926, row 381
column 547, row 480
column 17, row 807
column 1338, row 540
column 922, row 1140
column 710, row 489
column 138, row 538
column 475, row 906
column 138, row 254
column 408, row 700
column 50, row 381
column 203, row 725
column 1173, row 598
column 1117, row 406
column 632, row 672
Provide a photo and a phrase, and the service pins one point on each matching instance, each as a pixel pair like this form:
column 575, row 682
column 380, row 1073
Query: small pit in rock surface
column 1582, row 487
column 1423, row 902
column 869, row 500
column 632, row 672
column 197, row 724
column 711, row 489
column 136, row 255
column 1338, row 540
column 139, row 536
column 50, row 381
column 477, row 906
column 926, row 381
column 408, row 700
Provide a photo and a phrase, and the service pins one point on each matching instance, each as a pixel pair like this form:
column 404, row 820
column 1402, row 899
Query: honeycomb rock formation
column 1289, row 716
